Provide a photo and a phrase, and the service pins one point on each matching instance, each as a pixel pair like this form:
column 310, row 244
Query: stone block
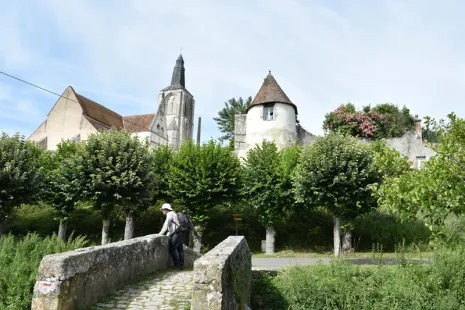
column 222, row 277
column 78, row 279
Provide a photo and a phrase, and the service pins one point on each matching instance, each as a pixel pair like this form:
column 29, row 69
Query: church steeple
column 178, row 79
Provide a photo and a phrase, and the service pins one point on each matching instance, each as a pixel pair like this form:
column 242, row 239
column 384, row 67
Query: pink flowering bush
column 381, row 121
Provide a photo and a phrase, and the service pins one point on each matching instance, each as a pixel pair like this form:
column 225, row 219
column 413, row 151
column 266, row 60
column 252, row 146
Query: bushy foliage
column 336, row 173
column 435, row 191
column 20, row 177
column 268, row 186
column 388, row 230
column 433, row 130
column 19, row 261
column 204, row 176
column 162, row 161
column 409, row 286
column 116, row 171
column 381, row 121
column 308, row 230
column 387, row 161
column 62, row 185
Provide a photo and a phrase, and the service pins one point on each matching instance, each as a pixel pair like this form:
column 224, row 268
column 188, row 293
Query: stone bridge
column 137, row 274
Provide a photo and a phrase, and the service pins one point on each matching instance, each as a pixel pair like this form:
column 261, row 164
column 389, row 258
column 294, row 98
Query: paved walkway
column 171, row 290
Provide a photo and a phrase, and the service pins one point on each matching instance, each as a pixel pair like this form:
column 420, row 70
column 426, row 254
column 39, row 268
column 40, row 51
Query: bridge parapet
column 79, row 278
column 222, row 277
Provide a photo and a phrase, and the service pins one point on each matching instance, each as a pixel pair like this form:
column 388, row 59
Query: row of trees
column 112, row 172
column 336, row 172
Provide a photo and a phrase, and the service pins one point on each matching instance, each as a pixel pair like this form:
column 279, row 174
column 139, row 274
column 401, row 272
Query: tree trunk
column 337, row 236
column 129, row 228
column 105, row 230
column 270, row 238
column 197, row 243
column 347, row 241
column 2, row 223
column 62, row 229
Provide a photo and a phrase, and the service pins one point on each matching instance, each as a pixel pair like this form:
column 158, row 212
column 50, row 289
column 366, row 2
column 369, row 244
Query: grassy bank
column 19, row 261
column 299, row 254
column 438, row 285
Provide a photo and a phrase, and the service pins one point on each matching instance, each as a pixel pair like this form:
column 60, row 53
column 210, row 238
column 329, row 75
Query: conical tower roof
column 271, row 92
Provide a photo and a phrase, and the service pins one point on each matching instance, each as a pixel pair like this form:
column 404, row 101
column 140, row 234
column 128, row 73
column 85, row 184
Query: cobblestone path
column 171, row 290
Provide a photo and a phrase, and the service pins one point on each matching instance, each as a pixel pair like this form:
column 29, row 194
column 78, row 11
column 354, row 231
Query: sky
column 323, row 53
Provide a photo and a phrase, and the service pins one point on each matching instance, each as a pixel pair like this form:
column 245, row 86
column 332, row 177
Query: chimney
column 418, row 126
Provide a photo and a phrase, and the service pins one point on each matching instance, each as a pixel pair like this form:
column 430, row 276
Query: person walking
column 176, row 242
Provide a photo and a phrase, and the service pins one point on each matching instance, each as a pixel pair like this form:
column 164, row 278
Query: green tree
column 117, row 175
column 62, row 186
column 226, row 116
column 392, row 121
column 336, row 172
column 20, row 176
column 203, row 177
column 437, row 189
column 381, row 121
column 389, row 162
column 162, row 161
column 433, row 130
column 268, row 186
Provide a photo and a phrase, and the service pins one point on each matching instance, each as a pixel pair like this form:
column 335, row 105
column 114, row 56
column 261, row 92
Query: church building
column 74, row 117
column 271, row 116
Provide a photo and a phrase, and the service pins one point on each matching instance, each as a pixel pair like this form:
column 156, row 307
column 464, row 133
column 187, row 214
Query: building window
column 420, row 160
column 268, row 112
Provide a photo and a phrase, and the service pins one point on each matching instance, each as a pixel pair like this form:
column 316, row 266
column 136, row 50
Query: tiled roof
column 271, row 92
column 99, row 113
column 138, row 123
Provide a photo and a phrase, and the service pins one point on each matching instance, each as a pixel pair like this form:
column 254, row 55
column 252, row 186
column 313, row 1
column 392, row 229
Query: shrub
column 340, row 285
column 19, row 261
column 388, row 230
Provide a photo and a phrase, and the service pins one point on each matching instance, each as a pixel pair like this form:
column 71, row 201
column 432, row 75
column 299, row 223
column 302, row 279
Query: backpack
column 183, row 222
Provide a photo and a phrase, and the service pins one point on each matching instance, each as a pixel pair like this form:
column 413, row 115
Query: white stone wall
column 144, row 135
column 65, row 121
column 411, row 146
column 281, row 130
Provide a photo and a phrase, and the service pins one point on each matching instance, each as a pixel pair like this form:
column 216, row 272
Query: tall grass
column 19, row 262
column 410, row 286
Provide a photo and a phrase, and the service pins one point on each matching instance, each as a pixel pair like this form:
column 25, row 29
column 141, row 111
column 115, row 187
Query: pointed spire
column 271, row 92
column 178, row 79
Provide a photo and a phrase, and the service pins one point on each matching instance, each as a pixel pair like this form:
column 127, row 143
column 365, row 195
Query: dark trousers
column 177, row 249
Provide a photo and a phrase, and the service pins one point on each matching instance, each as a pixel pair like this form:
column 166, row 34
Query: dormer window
column 268, row 112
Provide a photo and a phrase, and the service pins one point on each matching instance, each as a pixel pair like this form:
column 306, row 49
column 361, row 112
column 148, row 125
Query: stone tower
column 174, row 121
column 271, row 116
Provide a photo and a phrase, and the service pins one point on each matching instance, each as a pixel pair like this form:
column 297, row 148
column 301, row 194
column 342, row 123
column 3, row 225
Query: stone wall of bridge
column 222, row 277
column 78, row 279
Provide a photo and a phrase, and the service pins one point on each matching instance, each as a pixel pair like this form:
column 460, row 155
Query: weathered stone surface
column 222, row 277
column 171, row 291
column 79, row 278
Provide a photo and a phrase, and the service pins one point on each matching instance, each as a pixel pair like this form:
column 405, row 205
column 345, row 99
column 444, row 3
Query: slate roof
column 138, row 123
column 271, row 92
column 178, row 80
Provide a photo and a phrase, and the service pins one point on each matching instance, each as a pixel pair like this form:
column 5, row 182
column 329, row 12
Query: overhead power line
column 61, row 96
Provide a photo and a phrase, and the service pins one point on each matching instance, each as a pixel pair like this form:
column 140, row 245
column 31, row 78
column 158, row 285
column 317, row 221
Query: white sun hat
column 166, row 206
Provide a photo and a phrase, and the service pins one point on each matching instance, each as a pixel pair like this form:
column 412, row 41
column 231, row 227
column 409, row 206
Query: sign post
column 237, row 218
